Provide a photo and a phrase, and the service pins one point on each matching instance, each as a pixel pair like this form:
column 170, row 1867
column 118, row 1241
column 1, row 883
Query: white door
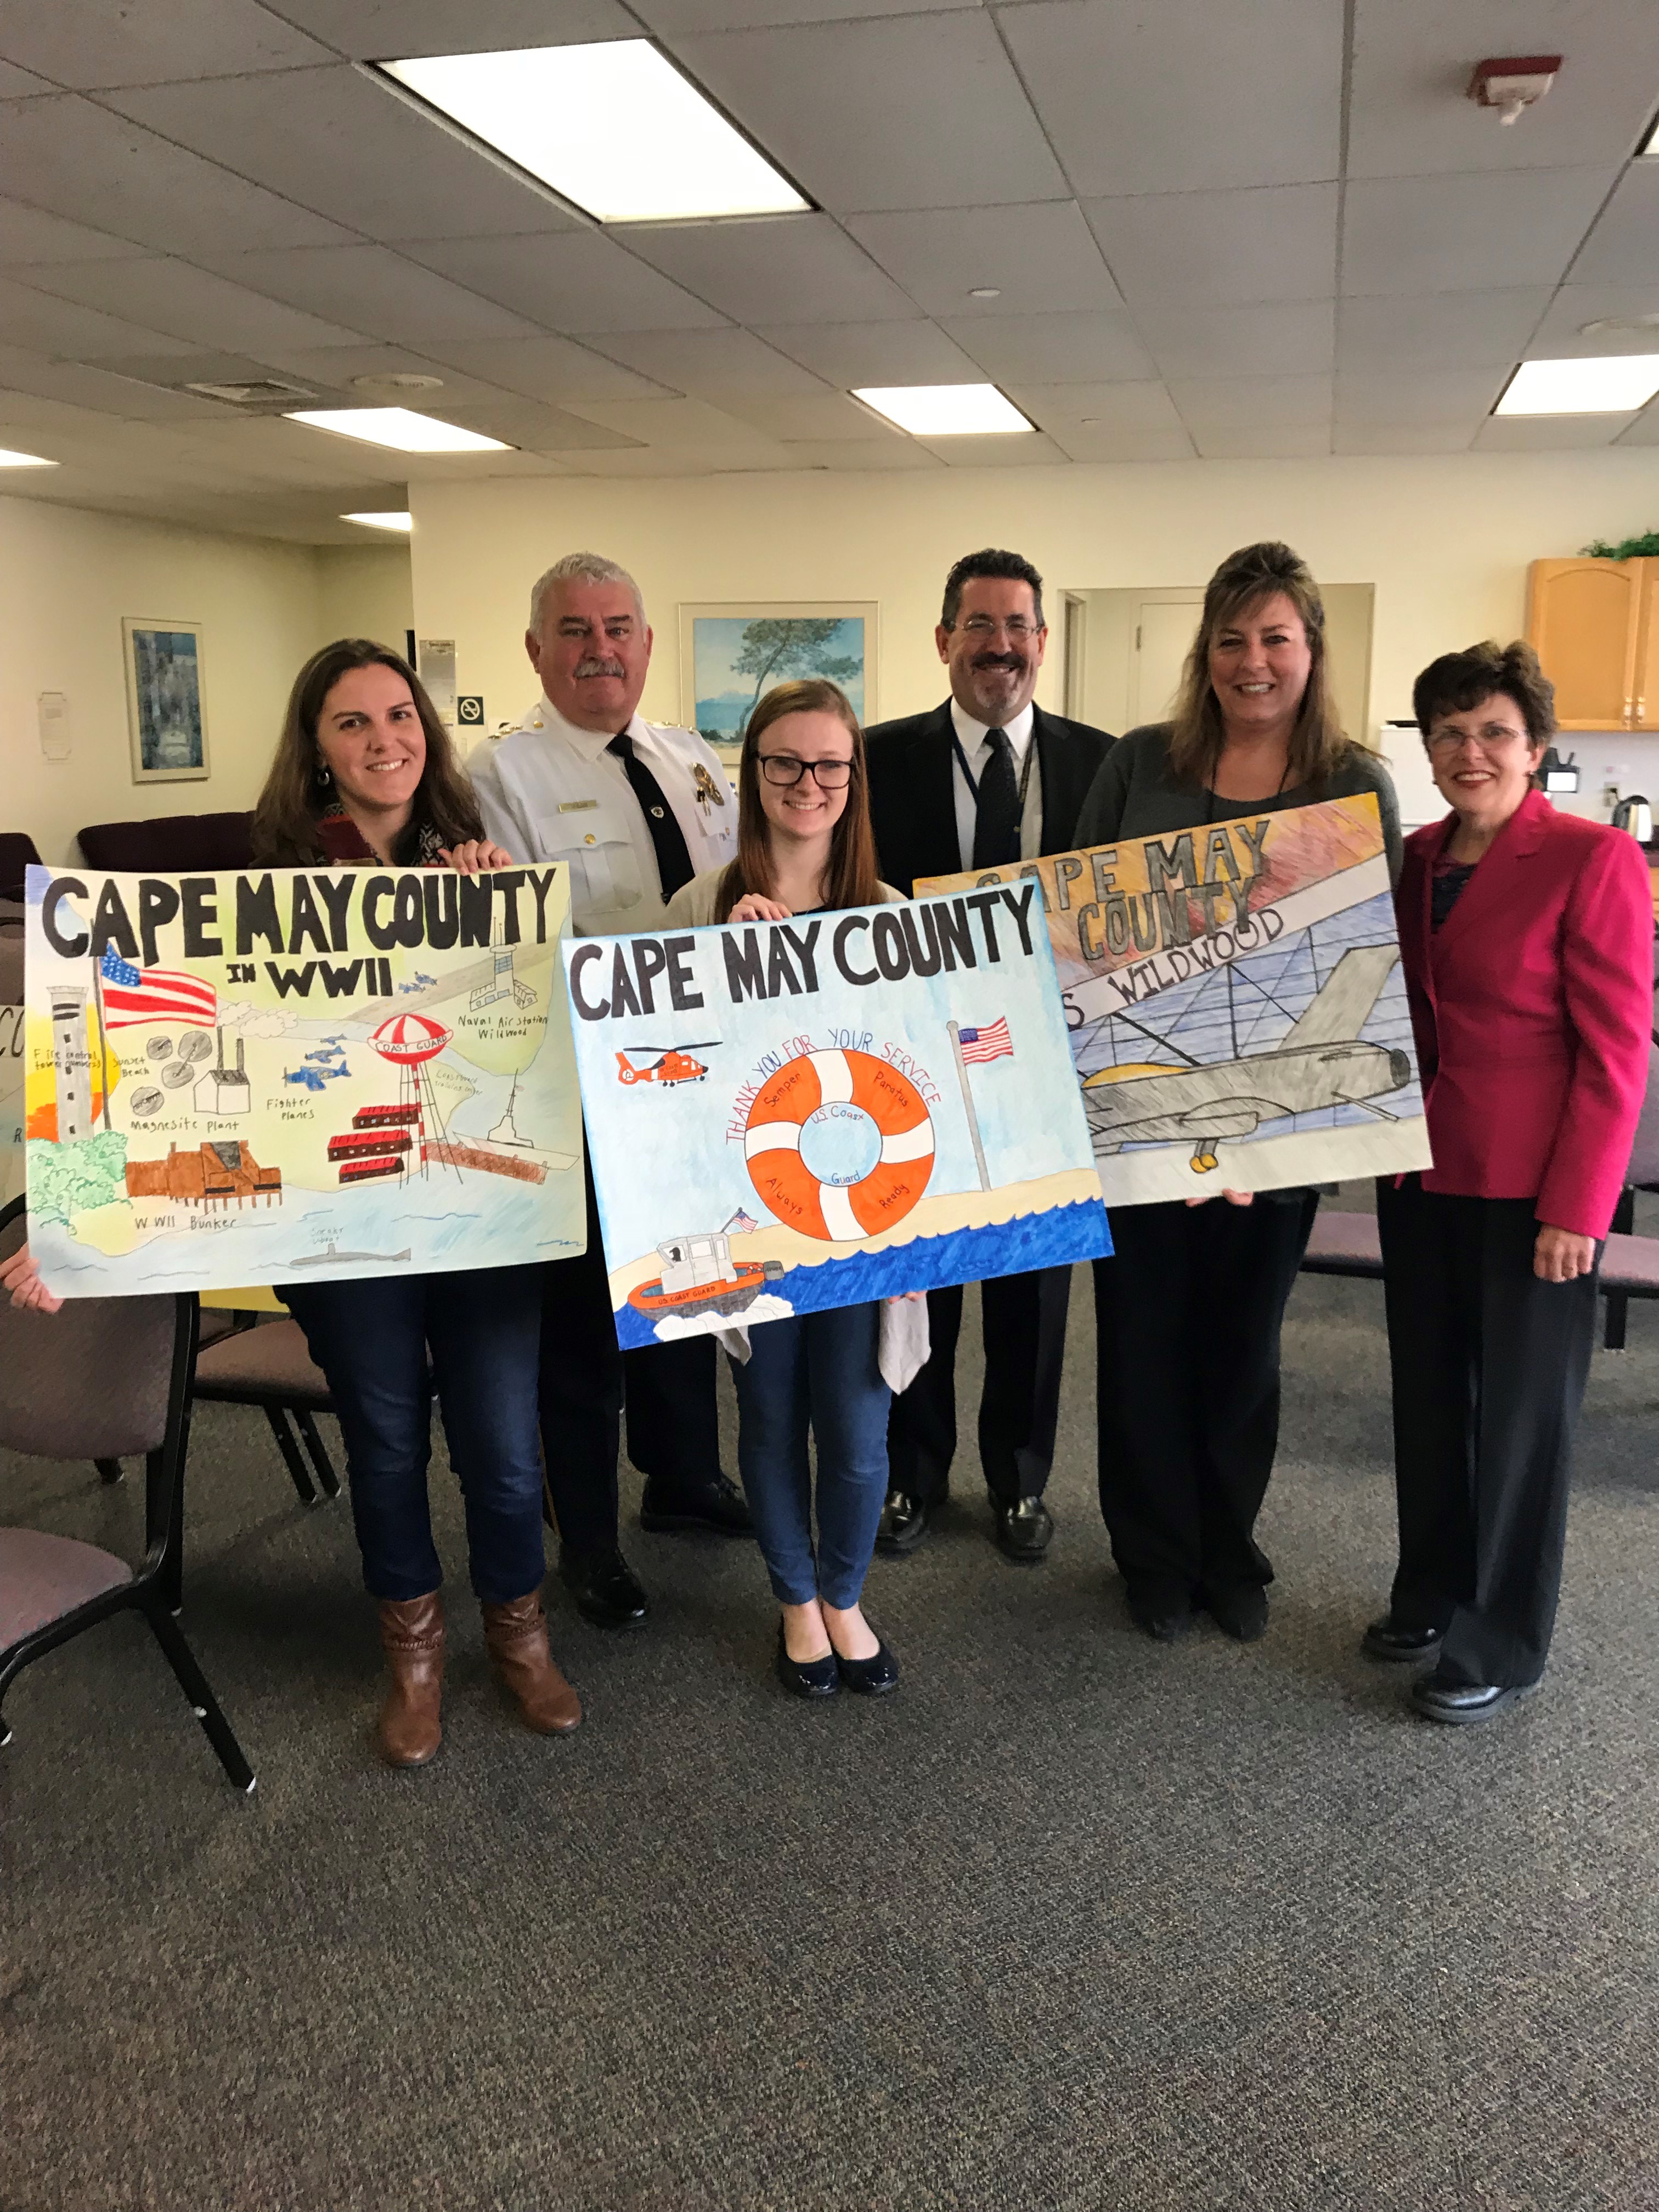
column 1165, row 629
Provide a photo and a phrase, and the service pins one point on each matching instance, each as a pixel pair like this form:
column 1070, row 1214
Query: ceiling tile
column 1549, row 433
column 1102, row 441
column 830, row 416
column 1038, row 259
column 332, row 368
column 684, row 424
column 580, row 282
column 1419, row 395
column 713, row 364
column 1623, row 246
column 1402, row 437
column 530, row 425
column 384, row 294
column 1058, row 409
column 1262, row 441
column 45, row 324
column 554, row 369
column 1409, row 115
column 1220, row 249
column 336, row 141
column 1560, row 332
column 909, row 111
column 849, row 354
column 677, row 19
column 112, row 42
column 99, row 388
column 1183, row 95
column 1508, row 227
column 20, row 84
column 1644, row 430
column 849, row 455
column 1436, row 330
column 28, row 236
column 73, row 159
column 1053, row 349
column 189, row 303
column 673, row 461
column 1290, row 338
column 791, row 268
column 1253, row 402
column 1027, row 449
column 394, row 30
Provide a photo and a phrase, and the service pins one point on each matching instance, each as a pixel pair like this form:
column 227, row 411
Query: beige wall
column 68, row 578
column 1445, row 541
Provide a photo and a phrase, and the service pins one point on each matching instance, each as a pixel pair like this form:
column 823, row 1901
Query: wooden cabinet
column 1595, row 626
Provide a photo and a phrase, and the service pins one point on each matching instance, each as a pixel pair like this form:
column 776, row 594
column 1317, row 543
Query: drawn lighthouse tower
column 503, row 984
column 71, row 1062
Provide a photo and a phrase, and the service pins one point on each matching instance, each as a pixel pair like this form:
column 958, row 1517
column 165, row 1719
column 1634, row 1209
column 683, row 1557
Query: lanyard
column 972, row 781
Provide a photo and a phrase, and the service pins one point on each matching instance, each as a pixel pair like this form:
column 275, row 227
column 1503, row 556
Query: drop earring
column 322, row 778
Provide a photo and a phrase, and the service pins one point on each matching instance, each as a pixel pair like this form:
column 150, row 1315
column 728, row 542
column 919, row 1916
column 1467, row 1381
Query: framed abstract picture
column 731, row 654
column 167, row 719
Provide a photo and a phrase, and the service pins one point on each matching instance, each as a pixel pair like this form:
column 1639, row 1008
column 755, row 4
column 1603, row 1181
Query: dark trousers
column 1188, row 1318
column 1024, row 1319
column 371, row 1339
column 1489, row 1366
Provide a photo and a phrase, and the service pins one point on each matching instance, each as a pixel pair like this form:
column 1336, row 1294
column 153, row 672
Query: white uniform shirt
column 975, row 738
column 550, row 792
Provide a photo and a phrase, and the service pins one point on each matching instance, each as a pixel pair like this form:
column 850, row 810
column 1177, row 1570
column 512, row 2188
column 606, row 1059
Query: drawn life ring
column 839, row 1145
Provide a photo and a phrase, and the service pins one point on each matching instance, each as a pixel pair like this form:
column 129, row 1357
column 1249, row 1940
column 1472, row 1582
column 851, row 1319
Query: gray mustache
column 591, row 667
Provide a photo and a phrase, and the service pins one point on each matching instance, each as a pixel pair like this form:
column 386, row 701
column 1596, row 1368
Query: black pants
column 1489, row 1366
column 1023, row 1318
column 673, row 1434
column 1188, row 1318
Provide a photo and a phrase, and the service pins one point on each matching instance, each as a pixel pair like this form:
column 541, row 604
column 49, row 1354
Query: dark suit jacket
column 912, row 803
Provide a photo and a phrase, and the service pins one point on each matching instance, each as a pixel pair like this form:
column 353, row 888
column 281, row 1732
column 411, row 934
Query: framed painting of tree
column 732, row 655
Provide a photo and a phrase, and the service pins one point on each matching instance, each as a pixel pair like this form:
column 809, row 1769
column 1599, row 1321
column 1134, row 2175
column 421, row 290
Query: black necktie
column 996, row 815
column 673, row 858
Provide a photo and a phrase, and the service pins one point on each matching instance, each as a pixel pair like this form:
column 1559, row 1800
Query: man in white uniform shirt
column 634, row 809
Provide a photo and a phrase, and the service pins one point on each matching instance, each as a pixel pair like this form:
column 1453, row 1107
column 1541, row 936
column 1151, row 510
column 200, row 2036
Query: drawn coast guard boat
column 699, row 1276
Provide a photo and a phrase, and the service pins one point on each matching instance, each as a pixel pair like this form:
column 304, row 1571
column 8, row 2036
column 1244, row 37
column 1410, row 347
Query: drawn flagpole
column 103, row 1041
column 992, row 1041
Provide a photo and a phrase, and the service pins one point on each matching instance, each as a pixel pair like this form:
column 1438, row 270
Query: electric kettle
column 1635, row 815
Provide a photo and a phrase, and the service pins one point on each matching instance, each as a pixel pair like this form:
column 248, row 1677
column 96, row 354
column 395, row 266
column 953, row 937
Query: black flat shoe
column 871, row 1678
column 807, row 1677
column 903, row 1525
column 604, row 1589
column 717, row 1507
column 1240, row 1612
column 1024, row 1529
column 1464, row 1704
column 1159, row 1614
column 1383, row 1640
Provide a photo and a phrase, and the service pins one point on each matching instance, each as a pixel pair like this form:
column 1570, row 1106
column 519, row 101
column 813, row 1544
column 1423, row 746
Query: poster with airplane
column 297, row 1075
column 785, row 1117
column 1236, row 1012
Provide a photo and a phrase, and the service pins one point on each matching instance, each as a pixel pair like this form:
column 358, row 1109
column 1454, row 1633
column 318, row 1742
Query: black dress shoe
column 717, row 1506
column 604, row 1589
column 872, row 1678
column 1240, row 1611
column 1464, row 1704
column 903, row 1523
column 1160, row 1614
column 1024, row 1529
column 1383, row 1640
column 807, row 1677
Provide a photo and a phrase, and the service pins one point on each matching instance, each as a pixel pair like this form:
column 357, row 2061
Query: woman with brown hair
column 1189, row 1312
column 803, row 844
column 364, row 772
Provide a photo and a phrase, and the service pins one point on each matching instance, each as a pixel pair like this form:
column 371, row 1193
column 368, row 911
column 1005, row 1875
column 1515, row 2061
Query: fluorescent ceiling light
column 8, row 461
column 1650, row 151
column 388, row 521
column 945, row 410
column 613, row 127
column 1608, row 384
column 400, row 428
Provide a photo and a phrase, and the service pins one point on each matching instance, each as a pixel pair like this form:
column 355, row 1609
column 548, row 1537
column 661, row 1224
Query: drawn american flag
column 991, row 1043
column 153, row 994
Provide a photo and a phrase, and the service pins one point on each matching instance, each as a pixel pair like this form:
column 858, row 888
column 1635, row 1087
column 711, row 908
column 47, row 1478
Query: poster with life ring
column 789, row 1117
column 297, row 1075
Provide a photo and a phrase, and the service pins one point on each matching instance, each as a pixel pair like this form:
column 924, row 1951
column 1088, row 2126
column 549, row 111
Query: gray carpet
column 1072, row 1922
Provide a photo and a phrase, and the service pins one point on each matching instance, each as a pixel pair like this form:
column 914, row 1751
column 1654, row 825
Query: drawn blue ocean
column 1055, row 1239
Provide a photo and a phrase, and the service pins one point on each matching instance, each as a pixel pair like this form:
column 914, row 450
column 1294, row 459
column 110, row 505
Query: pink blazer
column 1533, row 1006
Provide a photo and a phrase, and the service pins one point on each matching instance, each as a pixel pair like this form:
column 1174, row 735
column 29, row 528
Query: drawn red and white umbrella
column 408, row 1040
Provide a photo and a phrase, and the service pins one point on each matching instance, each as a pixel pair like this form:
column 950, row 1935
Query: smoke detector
column 400, row 380
column 1513, row 83
column 259, row 391
column 1604, row 324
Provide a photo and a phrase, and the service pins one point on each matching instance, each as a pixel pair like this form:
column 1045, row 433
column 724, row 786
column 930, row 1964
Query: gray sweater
column 1136, row 795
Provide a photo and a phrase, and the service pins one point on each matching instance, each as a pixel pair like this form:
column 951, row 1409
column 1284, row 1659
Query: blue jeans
column 817, row 1370
column 371, row 1338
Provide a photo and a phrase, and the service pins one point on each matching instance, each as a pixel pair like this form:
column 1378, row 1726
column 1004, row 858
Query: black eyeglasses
column 784, row 767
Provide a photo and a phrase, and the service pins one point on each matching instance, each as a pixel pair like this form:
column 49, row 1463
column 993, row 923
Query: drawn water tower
column 71, row 1062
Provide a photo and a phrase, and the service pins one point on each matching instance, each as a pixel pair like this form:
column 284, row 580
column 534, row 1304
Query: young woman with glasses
column 803, row 844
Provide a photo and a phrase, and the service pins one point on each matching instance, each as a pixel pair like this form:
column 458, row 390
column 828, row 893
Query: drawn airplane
column 328, row 1053
column 311, row 1077
column 421, row 982
column 1321, row 1061
column 674, row 1064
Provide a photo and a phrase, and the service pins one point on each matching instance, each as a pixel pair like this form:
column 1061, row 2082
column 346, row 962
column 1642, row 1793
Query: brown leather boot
column 516, row 1637
column 412, row 1633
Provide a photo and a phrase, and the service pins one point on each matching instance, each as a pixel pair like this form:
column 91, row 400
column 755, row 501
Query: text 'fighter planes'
column 1321, row 1062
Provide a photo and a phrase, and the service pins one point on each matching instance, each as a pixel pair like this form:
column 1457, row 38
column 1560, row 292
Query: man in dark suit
column 987, row 779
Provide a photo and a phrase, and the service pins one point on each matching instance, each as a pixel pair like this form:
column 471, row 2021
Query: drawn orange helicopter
column 673, row 1063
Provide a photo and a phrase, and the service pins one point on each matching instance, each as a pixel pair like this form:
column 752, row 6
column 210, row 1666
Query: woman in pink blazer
column 1526, row 941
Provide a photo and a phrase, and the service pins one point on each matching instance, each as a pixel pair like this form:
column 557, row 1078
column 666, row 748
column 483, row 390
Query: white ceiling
column 1269, row 231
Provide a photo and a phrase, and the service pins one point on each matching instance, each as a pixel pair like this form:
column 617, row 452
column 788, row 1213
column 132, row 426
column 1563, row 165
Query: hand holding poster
column 788, row 1116
column 297, row 1075
column 1237, row 1011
